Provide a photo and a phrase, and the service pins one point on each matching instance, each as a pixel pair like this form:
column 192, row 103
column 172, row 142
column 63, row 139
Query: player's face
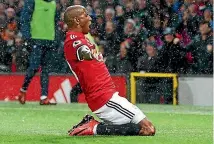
column 85, row 22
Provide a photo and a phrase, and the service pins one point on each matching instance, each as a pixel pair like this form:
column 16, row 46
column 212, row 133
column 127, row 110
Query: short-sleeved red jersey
column 92, row 75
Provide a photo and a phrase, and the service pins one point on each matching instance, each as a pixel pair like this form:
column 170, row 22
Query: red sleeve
column 71, row 47
column 72, row 44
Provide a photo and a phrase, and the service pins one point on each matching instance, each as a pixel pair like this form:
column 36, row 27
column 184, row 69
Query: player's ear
column 76, row 20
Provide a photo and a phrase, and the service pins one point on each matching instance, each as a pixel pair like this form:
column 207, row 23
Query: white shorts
column 118, row 110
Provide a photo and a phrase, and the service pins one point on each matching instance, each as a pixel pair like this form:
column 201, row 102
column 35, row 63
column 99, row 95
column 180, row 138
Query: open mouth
column 89, row 24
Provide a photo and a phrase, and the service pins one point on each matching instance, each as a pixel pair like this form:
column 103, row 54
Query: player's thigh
column 110, row 115
column 132, row 110
column 118, row 110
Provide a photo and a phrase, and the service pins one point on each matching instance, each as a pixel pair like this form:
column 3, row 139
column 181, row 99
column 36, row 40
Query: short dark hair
column 206, row 22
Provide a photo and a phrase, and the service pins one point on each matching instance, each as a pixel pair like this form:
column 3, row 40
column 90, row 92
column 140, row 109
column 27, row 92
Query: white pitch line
column 85, row 110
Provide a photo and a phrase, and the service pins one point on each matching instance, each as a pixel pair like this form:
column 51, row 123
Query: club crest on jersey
column 73, row 36
column 76, row 43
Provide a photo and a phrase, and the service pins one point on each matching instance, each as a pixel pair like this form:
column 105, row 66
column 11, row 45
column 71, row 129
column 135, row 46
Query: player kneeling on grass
column 119, row 115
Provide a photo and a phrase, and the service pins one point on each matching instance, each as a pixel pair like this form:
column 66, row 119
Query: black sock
column 125, row 129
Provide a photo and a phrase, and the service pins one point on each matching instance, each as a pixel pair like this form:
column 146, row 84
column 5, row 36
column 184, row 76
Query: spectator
column 100, row 27
column 144, row 14
column 98, row 12
column 3, row 23
column 166, row 19
column 9, row 36
column 146, row 62
column 96, row 4
column 131, row 36
column 171, row 58
column 136, row 22
column 10, row 3
column 95, row 10
column 181, row 11
column 154, row 7
column 209, row 4
column 130, row 29
column 112, row 39
column 201, row 49
column 3, row 43
column 109, row 14
column 200, row 6
column 39, row 30
column 90, row 11
column 129, row 8
column 19, row 8
column 123, row 65
column 182, row 30
column 62, row 26
column 193, row 21
column 154, row 36
column 11, row 20
column 7, row 30
column 93, row 16
column 77, row 2
column 2, row 9
column 208, row 17
column 64, row 4
column 120, row 20
column 171, row 11
column 110, row 3
column 108, row 59
column 3, row 49
column 20, row 55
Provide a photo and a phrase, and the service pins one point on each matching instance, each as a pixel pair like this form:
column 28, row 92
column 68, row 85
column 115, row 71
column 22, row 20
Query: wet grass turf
column 35, row 124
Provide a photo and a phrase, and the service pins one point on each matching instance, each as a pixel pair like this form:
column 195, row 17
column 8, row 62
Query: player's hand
column 176, row 40
column 97, row 55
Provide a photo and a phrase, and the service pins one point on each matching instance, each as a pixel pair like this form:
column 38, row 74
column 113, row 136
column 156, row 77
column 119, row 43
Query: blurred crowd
column 133, row 35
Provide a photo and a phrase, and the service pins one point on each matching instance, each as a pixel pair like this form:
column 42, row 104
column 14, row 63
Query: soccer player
column 119, row 115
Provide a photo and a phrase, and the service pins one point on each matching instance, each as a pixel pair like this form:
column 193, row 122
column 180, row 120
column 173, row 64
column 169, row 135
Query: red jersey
column 92, row 75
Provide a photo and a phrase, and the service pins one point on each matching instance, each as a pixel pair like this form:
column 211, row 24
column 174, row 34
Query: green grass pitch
column 34, row 124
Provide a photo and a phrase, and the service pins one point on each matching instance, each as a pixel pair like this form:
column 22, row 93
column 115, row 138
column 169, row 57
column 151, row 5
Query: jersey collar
column 79, row 34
